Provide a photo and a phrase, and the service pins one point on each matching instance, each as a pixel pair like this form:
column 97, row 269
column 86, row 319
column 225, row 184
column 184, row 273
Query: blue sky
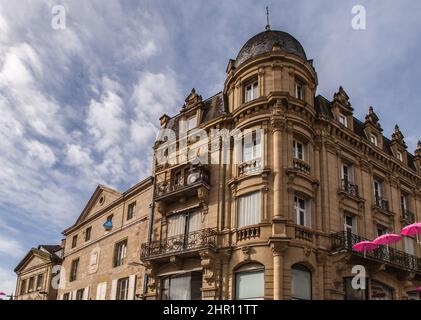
column 80, row 106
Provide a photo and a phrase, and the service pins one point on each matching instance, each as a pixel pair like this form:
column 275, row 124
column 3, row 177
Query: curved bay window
column 186, row 286
column 301, row 283
column 250, row 282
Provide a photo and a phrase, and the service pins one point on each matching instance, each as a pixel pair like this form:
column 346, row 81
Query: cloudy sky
column 80, row 106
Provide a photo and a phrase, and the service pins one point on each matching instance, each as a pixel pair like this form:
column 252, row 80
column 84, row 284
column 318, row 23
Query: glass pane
column 248, row 210
column 195, row 222
column 301, row 284
column 250, row 285
column 180, row 288
column 176, row 225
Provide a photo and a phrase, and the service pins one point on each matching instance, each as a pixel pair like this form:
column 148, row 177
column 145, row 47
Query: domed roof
column 264, row 42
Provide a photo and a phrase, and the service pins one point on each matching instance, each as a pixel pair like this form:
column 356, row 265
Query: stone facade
column 97, row 276
column 37, row 273
column 321, row 180
column 276, row 200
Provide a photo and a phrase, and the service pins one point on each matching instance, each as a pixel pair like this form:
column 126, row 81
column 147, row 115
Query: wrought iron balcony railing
column 301, row 166
column 381, row 203
column 346, row 240
column 350, row 188
column 194, row 176
column 177, row 244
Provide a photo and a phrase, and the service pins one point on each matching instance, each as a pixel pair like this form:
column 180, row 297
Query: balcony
column 381, row 203
column 301, row 166
column 185, row 185
column 350, row 188
column 303, row 233
column 248, row 233
column 180, row 244
column 346, row 240
column 250, row 167
column 408, row 217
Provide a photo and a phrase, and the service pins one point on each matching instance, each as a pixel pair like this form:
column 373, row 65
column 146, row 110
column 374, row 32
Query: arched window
column 250, row 282
column 300, row 282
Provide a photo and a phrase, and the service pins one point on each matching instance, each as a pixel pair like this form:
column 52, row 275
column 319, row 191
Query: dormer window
column 251, row 91
column 343, row 120
column 373, row 140
column 399, row 156
column 299, row 90
column 191, row 123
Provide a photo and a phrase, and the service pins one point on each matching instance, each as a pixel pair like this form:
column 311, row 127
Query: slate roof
column 264, row 42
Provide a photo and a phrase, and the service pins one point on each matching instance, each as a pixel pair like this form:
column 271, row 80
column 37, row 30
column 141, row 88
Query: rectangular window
column 177, row 223
column 250, row 285
column 251, row 91
column 66, row 296
column 373, row 139
column 31, row 284
column 120, row 251
column 298, row 150
column 350, row 224
column 347, row 173
column 131, row 210
column 299, row 91
column 122, row 289
column 409, row 245
column 40, row 281
column 302, row 212
column 404, row 204
column 343, row 120
column 248, row 210
column 79, row 294
column 381, row 231
column 191, row 123
column 23, row 287
column 252, row 147
column 74, row 241
column 88, row 234
column 399, row 156
column 378, row 190
column 73, row 270
column 182, row 287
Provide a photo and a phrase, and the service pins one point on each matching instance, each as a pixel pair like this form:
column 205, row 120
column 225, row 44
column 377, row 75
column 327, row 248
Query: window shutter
column 113, row 289
column 101, row 291
column 60, row 297
column 132, row 287
column 73, row 295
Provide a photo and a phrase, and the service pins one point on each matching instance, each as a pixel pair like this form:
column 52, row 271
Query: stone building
column 101, row 259
column 271, row 207
column 258, row 192
column 36, row 271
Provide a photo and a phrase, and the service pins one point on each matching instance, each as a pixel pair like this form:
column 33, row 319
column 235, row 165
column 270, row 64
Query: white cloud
column 10, row 247
column 7, row 281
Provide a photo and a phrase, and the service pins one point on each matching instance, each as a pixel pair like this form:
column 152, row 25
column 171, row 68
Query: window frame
column 40, row 282
column 343, row 120
column 74, row 266
column 74, row 241
column 255, row 147
column 299, row 89
column 79, row 294
column 254, row 90
column 257, row 218
column 23, row 287
column 122, row 295
column 131, row 208
column 249, row 269
column 301, row 212
column 31, row 284
column 295, row 150
column 374, row 139
column 120, row 256
column 302, row 268
column 88, row 233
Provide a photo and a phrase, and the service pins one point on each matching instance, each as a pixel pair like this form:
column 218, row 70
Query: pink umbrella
column 412, row 229
column 387, row 239
column 418, row 289
column 364, row 246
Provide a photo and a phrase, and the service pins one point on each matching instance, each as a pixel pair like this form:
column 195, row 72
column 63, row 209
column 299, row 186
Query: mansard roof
column 324, row 107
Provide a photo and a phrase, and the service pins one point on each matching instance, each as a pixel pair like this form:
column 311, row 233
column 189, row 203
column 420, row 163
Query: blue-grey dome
column 264, row 42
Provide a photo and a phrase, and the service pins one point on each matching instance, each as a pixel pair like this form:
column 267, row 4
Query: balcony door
column 181, row 230
column 378, row 191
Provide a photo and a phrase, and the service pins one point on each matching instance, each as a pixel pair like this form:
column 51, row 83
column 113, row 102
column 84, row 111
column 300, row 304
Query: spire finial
column 267, row 19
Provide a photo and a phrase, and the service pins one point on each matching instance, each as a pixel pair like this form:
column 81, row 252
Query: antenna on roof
column 267, row 19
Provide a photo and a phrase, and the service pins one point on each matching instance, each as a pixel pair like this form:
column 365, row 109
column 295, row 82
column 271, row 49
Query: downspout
column 150, row 229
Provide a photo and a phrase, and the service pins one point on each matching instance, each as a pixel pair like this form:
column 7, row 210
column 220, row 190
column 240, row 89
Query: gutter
column 150, row 229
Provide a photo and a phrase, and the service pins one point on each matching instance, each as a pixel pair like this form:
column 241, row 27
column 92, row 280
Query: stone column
column 277, row 123
column 278, row 266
